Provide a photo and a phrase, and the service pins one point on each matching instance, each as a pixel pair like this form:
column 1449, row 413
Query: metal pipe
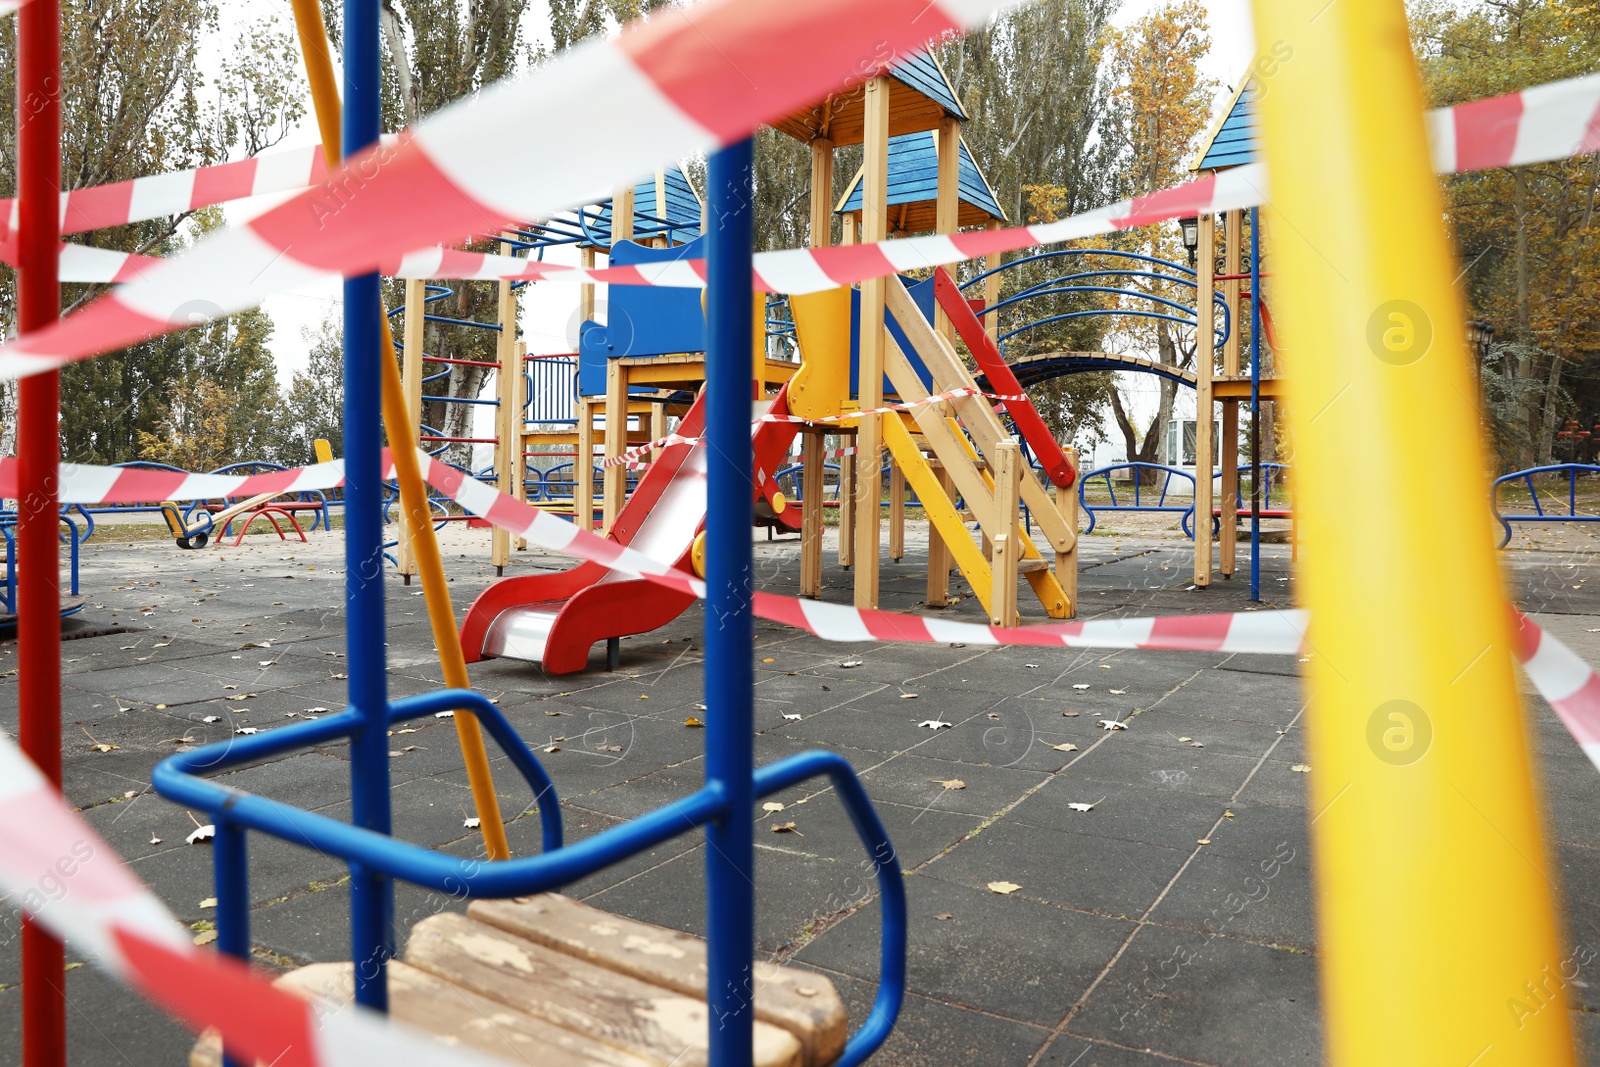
column 729, row 630
column 1255, row 404
column 371, row 892
column 38, row 589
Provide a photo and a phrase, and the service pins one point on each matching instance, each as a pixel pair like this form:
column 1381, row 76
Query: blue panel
column 683, row 210
column 1235, row 143
column 642, row 320
column 922, row 295
column 919, row 71
column 914, row 176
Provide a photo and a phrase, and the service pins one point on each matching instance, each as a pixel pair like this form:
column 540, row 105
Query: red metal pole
column 44, row 1019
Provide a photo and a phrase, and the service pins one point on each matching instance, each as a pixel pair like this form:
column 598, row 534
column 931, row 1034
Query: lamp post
column 1190, row 229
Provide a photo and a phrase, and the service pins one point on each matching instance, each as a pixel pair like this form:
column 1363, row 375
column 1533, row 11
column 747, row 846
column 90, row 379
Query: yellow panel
column 822, row 325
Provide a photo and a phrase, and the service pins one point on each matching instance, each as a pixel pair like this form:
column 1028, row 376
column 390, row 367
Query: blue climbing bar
column 730, row 632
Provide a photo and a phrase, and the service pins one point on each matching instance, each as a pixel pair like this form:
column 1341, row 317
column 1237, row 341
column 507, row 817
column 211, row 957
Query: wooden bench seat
column 550, row 980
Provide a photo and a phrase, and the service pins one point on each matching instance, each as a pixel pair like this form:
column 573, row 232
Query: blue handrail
column 1571, row 470
column 1138, row 504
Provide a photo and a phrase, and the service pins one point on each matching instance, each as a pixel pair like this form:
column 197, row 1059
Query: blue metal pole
column 1255, row 404
column 730, row 633
column 229, row 862
column 371, row 894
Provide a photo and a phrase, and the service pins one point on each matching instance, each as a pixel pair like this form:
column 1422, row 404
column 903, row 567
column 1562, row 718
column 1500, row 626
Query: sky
column 547, row 318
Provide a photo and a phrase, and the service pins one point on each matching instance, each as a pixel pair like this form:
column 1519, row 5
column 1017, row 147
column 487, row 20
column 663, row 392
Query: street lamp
column 1480, row 335
column 1190, row 228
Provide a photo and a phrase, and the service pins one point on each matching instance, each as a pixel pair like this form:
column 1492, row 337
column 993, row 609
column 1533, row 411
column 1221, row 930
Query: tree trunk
column 1524, row 364
column 1547, row 424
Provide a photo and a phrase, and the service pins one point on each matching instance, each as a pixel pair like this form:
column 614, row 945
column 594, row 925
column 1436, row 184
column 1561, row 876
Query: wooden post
column 947, row 206
column 583, row 467
column 991, row 290
column 615, row 485
column 847, row 505
column 1233, row 235
column 508, row 428
column 622, row 210
column 850, row 229
column 1007, row 545
column 821, row 193
column 585, row 293
column 411, row 341
column 519, row 434
column 1204, row 365
column 938, row 551
column 812, row 478
column 662, row 240
column 1067, row 562
column 897, row 511
column 869, row 439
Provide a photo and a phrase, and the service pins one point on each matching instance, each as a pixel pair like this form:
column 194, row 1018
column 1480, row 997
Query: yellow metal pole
column 402, row 432
column 1437, row 937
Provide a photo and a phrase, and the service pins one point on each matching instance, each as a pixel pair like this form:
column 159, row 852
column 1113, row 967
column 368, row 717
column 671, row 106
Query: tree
column 135, row 102
column 313, row 407
column 1529, row 236
column 1158, row 108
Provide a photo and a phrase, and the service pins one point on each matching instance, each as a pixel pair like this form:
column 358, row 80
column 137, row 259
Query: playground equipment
column 1572, row 471
column 194, row 531
column 73, row 536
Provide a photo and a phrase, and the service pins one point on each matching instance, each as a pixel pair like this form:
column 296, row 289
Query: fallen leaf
column 851, row 663
column 209, row 902
column 692, row 721
column 205, row 937
column 102, row 747
column 772, row 805
column 934, row 724
column 1071, row 714
column 1116, row 692
column 908, row 696
column 444, row 715
column 608, row 748
column 212, row 718
column 1203, row 841
column 1112, row 724
column 1080, row 687
column 944, row 916
column 644, row 696
column 1301, row 768
column 1227, row 815
column 786, row 828
column 154, row 840
column 1082, row 807
column 202, row 833
column 1105, row 666
column 552, row 748
column 951, row 783
column 792, row 717
column 1003, row 888
column 245, row 731
column 470, row 824
column 1031, row 666
column 769, row 659
column 1068, row 747
column 1186, row 740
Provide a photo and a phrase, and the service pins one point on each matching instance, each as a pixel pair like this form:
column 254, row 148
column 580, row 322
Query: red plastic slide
column 554, row 619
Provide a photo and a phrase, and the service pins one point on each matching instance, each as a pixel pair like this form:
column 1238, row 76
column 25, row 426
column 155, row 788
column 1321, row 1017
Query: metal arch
column 1061, row 253
column 1091, row 362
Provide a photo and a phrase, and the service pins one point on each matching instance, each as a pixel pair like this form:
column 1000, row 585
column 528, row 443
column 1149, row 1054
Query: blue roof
column 682, row 218
column 914, row 179
column 1235, row 140
column 923, row 73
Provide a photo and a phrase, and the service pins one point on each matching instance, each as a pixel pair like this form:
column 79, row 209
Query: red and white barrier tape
column 64, row 874
column 661, row 89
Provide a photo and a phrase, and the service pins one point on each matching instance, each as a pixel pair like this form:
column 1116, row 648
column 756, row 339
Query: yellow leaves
column 1005, row 889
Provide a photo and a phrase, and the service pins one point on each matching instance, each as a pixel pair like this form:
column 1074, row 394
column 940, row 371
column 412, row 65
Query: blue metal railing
column 1539, row 514
column 1140, row 493
column 72, row 536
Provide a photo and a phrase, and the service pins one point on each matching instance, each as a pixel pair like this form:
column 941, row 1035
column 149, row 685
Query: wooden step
column 798, row 1001
column 1031, row 566
column 579, row 996
column 457, row 1015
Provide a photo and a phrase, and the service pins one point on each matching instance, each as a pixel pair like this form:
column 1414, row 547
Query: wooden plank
column 585, row 291
column 577, row 995
column 1205, row 409
column 873, row 336
column 813, row 477
column 938, row 553
column 1007, row 490
column 991, row 290
column 583, row 466
column 799, row 1001
column 897, row 511
column 847, row 508
column 614, row 485
column 455, row 1015
column 947, row 209
column 981, row 423
column 508, row 444
column 411, row 387
column 1232, row 261
column 622, row 212
column 944, row 521
column 1239, row 388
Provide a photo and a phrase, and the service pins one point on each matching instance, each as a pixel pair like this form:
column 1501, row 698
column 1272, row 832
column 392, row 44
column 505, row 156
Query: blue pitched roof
column 914, row 179
column 682, row 218
column 923, row 73
column 1235, row 141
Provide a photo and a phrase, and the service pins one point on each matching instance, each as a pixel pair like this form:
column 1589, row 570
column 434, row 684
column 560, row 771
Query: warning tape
column 664, row 88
